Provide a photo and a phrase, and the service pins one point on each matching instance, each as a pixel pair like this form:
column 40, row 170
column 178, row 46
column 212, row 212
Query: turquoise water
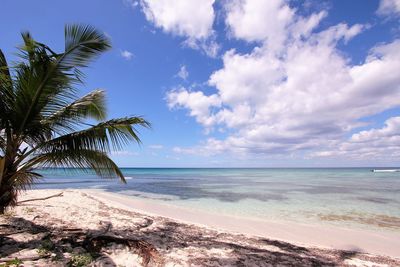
column 351, row 197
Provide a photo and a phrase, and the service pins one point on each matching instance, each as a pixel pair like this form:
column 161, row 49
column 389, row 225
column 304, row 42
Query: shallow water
column 351, row 197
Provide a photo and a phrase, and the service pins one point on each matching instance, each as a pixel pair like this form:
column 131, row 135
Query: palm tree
column 43, row 122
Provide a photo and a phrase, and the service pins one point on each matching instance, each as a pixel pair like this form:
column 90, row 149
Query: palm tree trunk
column 7, row 197
column 8, row 192
column 2, row 163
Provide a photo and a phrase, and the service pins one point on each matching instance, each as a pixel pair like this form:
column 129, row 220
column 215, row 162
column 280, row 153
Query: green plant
column 29, row 210
column 81, row 260
column 45, row 248
column 15, row 262
column 43, row 120
column 8, row 214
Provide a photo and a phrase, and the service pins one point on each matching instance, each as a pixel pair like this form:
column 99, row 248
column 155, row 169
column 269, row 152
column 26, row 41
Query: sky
column 239, row 83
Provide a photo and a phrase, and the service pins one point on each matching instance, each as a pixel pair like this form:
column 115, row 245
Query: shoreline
column 324, row 236
column 77, row 221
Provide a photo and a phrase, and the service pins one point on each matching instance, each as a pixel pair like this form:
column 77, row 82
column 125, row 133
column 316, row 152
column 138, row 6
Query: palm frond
column 51, row 76
column 29, row 46
column 6, row 90
column 23, row 180
column 105, row 136
column 80, row 158
column 83, row 43
column 68, row 117
column 40, row 88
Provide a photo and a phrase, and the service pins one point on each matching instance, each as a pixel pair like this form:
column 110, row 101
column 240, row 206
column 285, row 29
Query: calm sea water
column 354, row 197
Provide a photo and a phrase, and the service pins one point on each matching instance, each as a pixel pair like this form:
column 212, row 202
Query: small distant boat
column 386, row 170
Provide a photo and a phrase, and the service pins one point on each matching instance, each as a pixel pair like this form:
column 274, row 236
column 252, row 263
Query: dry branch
column 146, row 250
column 42, row 198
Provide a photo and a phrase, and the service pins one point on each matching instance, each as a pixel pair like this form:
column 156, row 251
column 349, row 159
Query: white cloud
column 391, row 129
column 131, row 3
column 126, row 54
column 389, row 7
column 259, row 20
column 341, row 31
column 375, row 144
column 199, row 104
column 293, row 93
column 156, row 146
column 208, row 46
column 274, row 23
column 183, row 73
column 191, row 19
column 124, row 153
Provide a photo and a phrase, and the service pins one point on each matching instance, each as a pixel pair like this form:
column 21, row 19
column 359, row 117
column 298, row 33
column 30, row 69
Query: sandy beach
column 95, row 228
column 200, row 133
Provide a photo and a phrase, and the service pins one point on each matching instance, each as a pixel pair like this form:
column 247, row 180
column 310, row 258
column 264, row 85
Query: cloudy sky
column 240, row 83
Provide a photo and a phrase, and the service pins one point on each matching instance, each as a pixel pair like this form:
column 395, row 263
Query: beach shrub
column 12, row 263
column 43, row 121
column 45, row 248
column 80, row 260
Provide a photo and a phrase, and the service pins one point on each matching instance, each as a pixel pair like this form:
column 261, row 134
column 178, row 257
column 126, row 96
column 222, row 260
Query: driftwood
column 42, row 198
column 95, row 242
column 146, row 250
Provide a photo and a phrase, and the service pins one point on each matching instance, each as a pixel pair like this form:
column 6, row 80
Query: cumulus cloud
column 274, row 23
column 259, row 20
column 187, row 18
column 391, row 129
column 389, row 7
column 295, row 92
column 182, row 17
column 199, row 104
column 380, row 143
column 126, row 54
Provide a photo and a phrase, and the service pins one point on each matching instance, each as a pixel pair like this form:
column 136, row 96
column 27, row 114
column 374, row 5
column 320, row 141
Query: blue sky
column 247, row 83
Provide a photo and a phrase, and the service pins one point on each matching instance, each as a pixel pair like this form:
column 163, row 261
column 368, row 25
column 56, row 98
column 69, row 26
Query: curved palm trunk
column 7, row 197
column 8, row 193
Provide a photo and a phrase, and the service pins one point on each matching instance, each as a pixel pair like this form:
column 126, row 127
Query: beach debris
column 146, row 251
column 41, row 198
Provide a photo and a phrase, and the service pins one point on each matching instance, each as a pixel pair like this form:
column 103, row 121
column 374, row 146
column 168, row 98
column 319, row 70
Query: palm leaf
column 48, row 88
column 68, row 117
column 82, row 44
column 6, row 92
column 105, row 136
column 85, row 159
column 24, row 180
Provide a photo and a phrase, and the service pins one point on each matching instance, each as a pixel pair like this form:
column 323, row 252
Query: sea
column 345, row 197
